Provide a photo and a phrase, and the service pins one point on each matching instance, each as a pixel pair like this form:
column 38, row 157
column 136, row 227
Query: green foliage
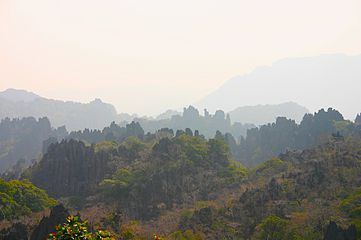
column 128, row 231
column 218, row 146
column 271, row 167
column 235, row 171
column 187, row 214
column 351, row 205
column 134, row 144
column 185, row 235
column 77, row 230
column 195, row 147
column 273, row 139
column 21, row 198
column 106, row 146
column 119, row 183
column 352, row 201
column 202, row 204
column 274, row 228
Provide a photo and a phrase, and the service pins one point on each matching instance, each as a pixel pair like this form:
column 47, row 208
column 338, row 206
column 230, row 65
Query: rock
column 47, row 225
column 71, row 166
column 17, row 231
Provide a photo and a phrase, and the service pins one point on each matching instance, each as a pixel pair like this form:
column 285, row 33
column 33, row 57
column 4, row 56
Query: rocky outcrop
column 70, row 168
column 18, row 231
column 47, row 225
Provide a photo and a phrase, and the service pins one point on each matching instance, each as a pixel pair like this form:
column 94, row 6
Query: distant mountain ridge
column 263, row 114
column 315, row 82
column 16, row 95
column 259, row 114
column 75, row 116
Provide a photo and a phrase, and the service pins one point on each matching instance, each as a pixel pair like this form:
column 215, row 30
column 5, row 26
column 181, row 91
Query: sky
column 149, row 56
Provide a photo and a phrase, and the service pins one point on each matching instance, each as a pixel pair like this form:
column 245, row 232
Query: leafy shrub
column 271, row 167
column 274, row 228
column 351, row 205
column 21, row 198
column 77, row 230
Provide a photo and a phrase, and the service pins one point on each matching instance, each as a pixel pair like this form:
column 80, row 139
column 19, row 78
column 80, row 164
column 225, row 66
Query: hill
column 21, row 141
column 16, row 95
column 75, row 116
column 187, row 187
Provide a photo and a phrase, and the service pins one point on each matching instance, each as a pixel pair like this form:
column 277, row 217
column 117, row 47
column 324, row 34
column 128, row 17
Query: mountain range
column 315, row 82
column 263, row 114
column 20, row 103
column 97, row 114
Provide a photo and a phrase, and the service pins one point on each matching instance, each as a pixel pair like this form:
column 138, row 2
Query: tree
column 274, row 228
column 77, row 230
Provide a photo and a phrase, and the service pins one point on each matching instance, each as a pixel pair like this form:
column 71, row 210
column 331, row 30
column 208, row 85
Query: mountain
column 75, row 116
column 270, row 140
column 16, row 95
column 21, row 141
column 315, row 82
column 263, row 114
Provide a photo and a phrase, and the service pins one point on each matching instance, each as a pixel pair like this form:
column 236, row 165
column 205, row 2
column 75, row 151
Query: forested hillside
column 272, row 139
column 188, row 187
column 19, row 198
column 182, row 185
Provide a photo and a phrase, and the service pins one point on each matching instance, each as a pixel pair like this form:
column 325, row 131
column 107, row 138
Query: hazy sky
column 147, row 56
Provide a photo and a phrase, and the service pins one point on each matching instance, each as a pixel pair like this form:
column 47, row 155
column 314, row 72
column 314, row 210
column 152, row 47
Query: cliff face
column 22, row 139
column 70, row 168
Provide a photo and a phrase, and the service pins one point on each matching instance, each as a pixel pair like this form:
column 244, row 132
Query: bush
column 77, row 230
column 274, row 228
column 21, row 198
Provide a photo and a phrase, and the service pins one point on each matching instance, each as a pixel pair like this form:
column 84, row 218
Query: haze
column 149, row 56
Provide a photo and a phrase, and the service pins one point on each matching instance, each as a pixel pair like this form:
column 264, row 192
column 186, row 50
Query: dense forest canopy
column 187, row 184
column 194, row 183
column 19, row 198
column 25, row 140
column 272, row 139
